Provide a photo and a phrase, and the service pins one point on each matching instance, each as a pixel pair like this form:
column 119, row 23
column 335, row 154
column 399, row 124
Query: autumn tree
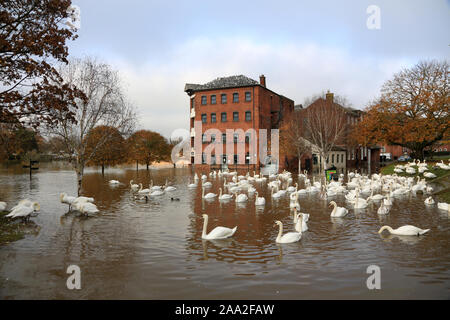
column 145, row 147
column 292, row 137
column 110, row 153
column 105, row 104
column 413, row 110
column 33, row 35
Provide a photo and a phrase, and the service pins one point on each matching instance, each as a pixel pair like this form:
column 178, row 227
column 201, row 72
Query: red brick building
column 233, row 103
column 346, row 155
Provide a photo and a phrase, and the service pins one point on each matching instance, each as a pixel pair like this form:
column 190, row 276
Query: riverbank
column 442, row 179
column 11, row 230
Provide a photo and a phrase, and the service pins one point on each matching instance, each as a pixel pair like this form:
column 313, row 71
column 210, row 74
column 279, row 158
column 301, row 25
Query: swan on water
column 337, row 211
column 289, row 237
column 259, row 201
column 209, row 195
column 407, row 230
column 2, row 206
column 225, row 196
column 114, row 182
column 429, row 201
column 217, row 232
column 133, row 187
column 383, row 209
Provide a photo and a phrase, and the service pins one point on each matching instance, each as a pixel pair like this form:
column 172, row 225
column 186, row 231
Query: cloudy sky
column 302, row 47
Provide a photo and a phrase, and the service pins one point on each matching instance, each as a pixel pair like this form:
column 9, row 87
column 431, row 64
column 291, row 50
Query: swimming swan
column 217, row 232
column 289, row 237
column 405, row 230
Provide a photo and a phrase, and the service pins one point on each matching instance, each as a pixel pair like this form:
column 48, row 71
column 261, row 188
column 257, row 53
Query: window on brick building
column 203, row 117
column 213, row 117
column 235, row 97
column 248, row 116
column 247, row 158
column 223, row 116
column 213, row 99
column 342, row 158
column 224, row 137
column 203, row 100
column 235, row 137
column 213, row 138
column 223, row 98
column 235, row 116
column 248, row 96
column 203, row 158
column 236, row 157
column 247, row 137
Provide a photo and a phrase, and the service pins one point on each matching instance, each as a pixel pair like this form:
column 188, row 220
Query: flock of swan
column 378, row 188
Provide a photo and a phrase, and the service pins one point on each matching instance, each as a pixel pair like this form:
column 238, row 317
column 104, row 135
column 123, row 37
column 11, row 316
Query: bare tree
column 292, row 137
column 325, row 127
column 105, row 104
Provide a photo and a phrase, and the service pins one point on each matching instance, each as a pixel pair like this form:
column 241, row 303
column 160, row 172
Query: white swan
column 225, row 196
column 241, row 197
column 133, row 187
column 217, row 232
column 207, row 184
column 259, row 201
column 156, row 193
column 209, row 195
column 388, row 201
column 81, row 199
column 153, row 188
column 289, row 237
column 2, row 206
column 383, row 209
column 64, row 198
column 86, row 208
column 337, row 211
column 24, row 211
column 429, row 201
column 405, row 230
column 169, row 188
column 359, row 203
column 114, row 182
column 192, row 185
column 429, row 175
column 142, row 191
column 300, row 220
column 444, row 206
column 376, row 197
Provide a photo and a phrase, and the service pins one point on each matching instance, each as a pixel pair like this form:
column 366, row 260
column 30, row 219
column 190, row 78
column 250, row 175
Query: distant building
column 235, row 102
column 346, row 155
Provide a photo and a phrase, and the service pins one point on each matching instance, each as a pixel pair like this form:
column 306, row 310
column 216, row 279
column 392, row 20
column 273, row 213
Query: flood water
column 138, row 250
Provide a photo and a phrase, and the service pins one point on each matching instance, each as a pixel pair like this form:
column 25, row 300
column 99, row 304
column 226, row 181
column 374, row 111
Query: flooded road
column 153, row 250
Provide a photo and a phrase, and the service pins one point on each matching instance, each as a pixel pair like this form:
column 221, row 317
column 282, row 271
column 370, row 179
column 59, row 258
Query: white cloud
column 294, row 70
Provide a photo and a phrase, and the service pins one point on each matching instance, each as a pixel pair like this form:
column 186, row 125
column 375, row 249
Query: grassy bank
column 11, row 230
column 442, row 179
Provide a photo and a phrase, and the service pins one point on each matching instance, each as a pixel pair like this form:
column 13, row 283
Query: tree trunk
column 299, row 164
column 80, row 171
column 137, row 165
column 147, row 166
column 103, row 169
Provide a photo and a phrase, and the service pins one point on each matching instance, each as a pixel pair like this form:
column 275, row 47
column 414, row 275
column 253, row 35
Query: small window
column 248, row 116
column 204, row 138
column 248, row 96
column 247, row 158
column 342, row 158
column 235, row 116
column 235, row 137
column 236, row 157
column 223, row 116
column 203, row 158
column 193, row 103
column 223, row 97
column 204, row 118
column 332, row 158
column 235, row 97
column 213, row 138
column 203, row 100
column 224, row 158
column 213, row 99
column 247, row 137
column 224, row 137
column 213, row 117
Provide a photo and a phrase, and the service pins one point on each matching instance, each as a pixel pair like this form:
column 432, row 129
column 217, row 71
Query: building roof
column 224, row 82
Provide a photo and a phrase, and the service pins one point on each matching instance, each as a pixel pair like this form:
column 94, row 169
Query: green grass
column 443, row 195
column 11, row 230
column 444, row 157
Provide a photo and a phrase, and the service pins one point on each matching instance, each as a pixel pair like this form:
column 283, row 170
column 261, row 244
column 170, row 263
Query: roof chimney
column 329, row 96
column 262, row 80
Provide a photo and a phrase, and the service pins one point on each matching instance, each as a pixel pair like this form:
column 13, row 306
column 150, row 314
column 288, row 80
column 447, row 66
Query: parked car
column 404, row 158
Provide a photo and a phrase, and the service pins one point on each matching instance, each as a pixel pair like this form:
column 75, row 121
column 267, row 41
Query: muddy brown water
column 153, row 250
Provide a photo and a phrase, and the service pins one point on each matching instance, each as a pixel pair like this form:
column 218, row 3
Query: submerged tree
column 413, row 110
column 32, row 36
column 109, row 153
column 105, row 104
column 145, row 147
